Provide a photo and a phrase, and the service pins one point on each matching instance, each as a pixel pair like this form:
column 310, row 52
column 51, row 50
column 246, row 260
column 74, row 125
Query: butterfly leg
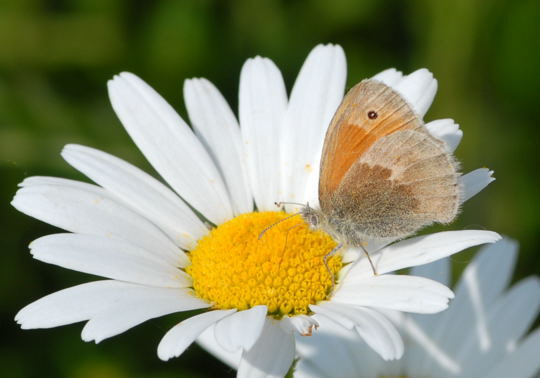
column 370, row 261
column 325, row 260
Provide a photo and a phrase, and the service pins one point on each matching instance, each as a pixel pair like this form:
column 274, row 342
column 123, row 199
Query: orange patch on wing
column 350, row 143
column 352, row 132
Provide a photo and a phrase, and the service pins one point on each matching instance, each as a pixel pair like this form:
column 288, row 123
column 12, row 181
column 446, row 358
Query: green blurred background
column 56, row 56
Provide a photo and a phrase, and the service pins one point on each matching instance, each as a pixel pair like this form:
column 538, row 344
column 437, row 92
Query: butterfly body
column 383, row 175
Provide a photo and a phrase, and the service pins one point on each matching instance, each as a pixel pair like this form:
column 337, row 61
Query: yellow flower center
column 239, row 266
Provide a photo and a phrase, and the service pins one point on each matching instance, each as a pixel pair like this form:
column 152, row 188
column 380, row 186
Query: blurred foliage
column 56, row 56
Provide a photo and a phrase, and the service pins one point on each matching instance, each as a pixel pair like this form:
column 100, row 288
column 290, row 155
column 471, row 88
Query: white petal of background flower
column 482, row 282
column 175, row 342
column 422, row 327
column 217, row 127
column 241, row 329
column 316, row 94
column 140, row 191
column 523, row 363
column 83, row 208
column 271, row 356
column 496, row 260
column 305, row 369
column 518, row 307
column 262, row 106
column 88, row 300
column 170, row 146
column 438, row 270
column 428, row 350
column 395, row 292
column 110, row 258
column 474, row 292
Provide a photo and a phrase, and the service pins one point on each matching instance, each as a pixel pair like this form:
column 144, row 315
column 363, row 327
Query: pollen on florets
column 238, row 266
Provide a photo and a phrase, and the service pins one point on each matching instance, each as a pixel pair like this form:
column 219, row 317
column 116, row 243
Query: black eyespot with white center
column 372, row 114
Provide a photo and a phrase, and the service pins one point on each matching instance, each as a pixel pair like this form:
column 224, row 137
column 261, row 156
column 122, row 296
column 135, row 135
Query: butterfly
column 383, row 176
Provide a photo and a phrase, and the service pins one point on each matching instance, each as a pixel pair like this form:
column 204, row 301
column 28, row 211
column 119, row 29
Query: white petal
column 422, row 348
column 395, row 292
column 389, row 77
column 438, row 270
column 506, row 322
column 418, row 89
column 170, row 146
column 88, row 209
column 176, row 341
column 262, row 106
column 481, row 283
column 216, row 126
column 473, row 182
column 522, row 362
column 372, row 246
column 446, row 130
column 129, row 312
column 305, row 369
column 240, row 330
column 316, row 94
column 88, row 300
column 380, row 332
column 376, row 330
column 271, row 356
column 334, row 351
column 108, row 258
column 208, row 341
column 303, row 324
column 140, row 191
column 336, row 312
column 421, row 250
column 494, row 260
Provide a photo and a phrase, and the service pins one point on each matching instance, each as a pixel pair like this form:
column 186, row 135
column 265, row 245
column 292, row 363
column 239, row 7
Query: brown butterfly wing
column 405, row 181
column 352, row 132
column 396, row 177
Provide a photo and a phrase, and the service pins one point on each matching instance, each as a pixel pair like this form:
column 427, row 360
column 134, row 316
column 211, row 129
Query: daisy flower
column 482, row 334
column 198, row 242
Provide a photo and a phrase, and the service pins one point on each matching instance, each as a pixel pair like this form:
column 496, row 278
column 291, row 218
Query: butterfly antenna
column 370, row 261
column 325, row 261
column 275, row 224
column 279, row 204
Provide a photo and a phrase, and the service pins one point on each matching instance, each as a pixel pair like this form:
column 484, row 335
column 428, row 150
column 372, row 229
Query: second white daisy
column 482, row 334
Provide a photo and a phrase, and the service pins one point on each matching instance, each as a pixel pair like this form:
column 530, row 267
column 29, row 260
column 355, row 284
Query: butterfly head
column 318, row 220
column 311, row 216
